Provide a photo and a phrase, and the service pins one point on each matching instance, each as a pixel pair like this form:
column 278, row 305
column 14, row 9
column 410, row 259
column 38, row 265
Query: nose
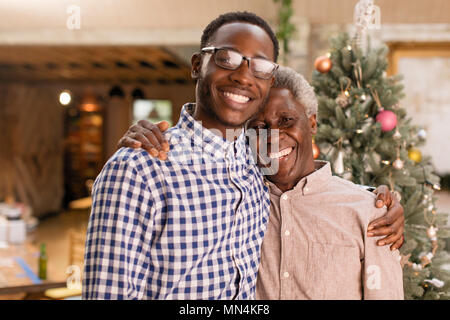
column 243, row 74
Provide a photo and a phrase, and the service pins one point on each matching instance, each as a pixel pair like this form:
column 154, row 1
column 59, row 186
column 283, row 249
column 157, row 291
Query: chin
column 232, row 118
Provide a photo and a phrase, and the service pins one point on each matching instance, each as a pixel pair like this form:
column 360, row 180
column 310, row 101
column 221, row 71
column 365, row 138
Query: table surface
column 19, row 270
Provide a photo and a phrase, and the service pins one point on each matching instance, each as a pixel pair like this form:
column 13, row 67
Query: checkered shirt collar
column 208, row 140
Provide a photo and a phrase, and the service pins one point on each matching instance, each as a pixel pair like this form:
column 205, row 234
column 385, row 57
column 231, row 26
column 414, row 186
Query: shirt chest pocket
column 333, row 272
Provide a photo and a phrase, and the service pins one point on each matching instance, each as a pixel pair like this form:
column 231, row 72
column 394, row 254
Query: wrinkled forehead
column 280, row 102
column 281, row 99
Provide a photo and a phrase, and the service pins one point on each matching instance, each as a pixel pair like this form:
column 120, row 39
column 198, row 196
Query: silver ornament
column 431, row 232
column 436, row 282
column 398, row 164
column 342, row 100
column 397, row 135
column 338, row 163
column 422, row 134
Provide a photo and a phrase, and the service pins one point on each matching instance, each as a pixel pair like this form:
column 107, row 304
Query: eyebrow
column 287, row 112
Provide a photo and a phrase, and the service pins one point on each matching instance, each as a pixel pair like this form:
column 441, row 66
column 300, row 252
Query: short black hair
column 238, row 16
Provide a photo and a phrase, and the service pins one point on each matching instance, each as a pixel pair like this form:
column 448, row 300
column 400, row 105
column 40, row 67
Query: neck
column 211, row 122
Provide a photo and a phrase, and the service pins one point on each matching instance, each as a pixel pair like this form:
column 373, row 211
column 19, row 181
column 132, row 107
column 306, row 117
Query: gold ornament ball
column 323, row 64
column 316, row 150
column 415, row 155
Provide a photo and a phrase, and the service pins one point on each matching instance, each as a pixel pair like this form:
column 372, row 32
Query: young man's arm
column 118, row 236
column 382, row 273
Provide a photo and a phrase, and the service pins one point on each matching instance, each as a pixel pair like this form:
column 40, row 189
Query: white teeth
column 280, row 154
column 236, row 97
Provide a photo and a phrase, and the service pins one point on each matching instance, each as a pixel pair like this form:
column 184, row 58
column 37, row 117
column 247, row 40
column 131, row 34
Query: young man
column 191, row 227
column 316, row 244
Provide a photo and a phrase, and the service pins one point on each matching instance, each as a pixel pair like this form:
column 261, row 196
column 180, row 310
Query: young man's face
column 233, row 96
column 285, row 114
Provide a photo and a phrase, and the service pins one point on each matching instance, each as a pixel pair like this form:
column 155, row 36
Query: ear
column 313, row 124
column 196, row 65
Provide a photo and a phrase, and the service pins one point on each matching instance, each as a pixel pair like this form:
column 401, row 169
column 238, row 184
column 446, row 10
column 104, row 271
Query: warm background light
column 65, row 98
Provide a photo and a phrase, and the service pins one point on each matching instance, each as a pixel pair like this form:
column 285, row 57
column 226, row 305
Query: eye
column 257, row 126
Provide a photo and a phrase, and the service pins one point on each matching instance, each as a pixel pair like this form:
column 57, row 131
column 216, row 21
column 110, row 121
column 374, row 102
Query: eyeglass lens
column 229, row 59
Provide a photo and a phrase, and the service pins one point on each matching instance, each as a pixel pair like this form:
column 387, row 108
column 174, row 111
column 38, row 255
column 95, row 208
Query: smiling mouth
column 281, row 154
column 236, row 97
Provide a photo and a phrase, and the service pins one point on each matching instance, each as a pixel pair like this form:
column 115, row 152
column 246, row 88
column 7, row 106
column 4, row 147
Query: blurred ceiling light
column 65, row 98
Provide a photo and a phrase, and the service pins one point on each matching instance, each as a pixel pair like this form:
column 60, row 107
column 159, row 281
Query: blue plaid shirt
column 189, row 227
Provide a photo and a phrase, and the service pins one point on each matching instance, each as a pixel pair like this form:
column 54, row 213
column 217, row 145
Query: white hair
column 302, row 91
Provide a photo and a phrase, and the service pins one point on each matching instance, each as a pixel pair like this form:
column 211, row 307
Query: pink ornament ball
column 388, row 120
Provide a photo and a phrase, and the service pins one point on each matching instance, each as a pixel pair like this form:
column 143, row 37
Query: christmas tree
column 367, row 136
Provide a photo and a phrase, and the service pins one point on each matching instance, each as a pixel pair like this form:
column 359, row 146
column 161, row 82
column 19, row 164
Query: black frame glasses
column 252, row 62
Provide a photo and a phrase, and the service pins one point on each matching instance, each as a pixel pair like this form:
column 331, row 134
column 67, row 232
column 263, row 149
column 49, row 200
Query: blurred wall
column 102, row 14
column 32, row 134
column 31, row 156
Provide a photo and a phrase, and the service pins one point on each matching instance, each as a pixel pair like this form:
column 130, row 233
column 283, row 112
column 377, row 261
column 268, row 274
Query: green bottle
column 43, row 263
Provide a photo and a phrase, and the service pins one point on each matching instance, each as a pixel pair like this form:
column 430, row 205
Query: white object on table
column 16, row 231
column 3, row 230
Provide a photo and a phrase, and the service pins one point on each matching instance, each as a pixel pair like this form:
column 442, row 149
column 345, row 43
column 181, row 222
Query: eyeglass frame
column 215, row 49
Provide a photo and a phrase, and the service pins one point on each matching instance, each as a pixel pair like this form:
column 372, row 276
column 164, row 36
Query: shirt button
column 284, row 197
column 286, row 274
column 287, row 233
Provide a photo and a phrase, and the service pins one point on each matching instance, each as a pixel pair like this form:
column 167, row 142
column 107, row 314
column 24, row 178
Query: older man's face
column 285, row 114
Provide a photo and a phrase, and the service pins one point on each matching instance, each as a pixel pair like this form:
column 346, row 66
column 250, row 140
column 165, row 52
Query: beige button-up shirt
column 316, row 244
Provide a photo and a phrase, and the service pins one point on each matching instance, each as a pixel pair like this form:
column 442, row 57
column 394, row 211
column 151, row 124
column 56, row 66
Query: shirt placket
column 286, row 273
column 238, row 219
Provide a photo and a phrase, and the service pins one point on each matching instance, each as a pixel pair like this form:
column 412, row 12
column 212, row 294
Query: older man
column 316, row 244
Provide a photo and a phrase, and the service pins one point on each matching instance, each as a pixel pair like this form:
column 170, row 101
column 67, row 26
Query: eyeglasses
column 232, row 60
